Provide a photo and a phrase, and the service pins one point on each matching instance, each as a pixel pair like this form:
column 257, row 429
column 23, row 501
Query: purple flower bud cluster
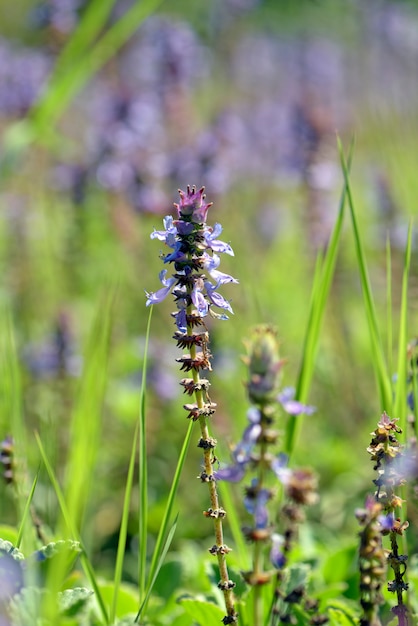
column 256, row 453
column 61, row 16
column 194, row 246
column 23, row 74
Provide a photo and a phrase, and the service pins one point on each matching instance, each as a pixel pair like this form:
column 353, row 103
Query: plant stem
column 216, row 511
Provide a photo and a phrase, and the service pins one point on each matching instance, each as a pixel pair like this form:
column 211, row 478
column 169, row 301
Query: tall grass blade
column 123, row 529
column 72, row 73
column 86, row 418
column 324, row 272
column 389, row 307
column 11, row 419
column 161, row 539
column 72, row 533
column 380, row 367
column 400, row 407
column 26, row 511
column 143, row 470
column 161, row 559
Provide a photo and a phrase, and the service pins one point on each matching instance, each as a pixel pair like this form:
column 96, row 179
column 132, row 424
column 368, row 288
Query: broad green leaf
column 203, row 613
column 337, row 617
column 8, row 533
column 127, row 598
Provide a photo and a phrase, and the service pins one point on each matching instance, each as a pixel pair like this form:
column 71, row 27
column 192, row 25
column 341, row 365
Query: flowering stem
column 215, row 511
column 195, row 247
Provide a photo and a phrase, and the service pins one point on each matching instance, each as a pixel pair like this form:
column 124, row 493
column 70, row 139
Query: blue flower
column 210, row 264
column 241, row 454
column 158, row 296
column 255, row 502
column 291, row 406
column 193, row 247
column 277, row 557
column 216, row 297
column 214, row 244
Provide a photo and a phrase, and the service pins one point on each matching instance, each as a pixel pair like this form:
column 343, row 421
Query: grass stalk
column 379, row 363
column 123, row 533
column 324, row 272
column 143, row 471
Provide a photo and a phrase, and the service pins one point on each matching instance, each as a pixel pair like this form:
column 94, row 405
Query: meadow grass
column 104, row 467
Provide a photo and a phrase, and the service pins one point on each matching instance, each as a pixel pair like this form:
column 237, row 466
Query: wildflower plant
column 194, row 284
column 256, row 453
column 380, row 518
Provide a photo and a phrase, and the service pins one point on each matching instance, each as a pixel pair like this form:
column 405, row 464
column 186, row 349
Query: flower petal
column 232, row 473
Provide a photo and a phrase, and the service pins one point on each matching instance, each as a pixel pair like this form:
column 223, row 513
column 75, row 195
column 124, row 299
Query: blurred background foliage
column 244, row 97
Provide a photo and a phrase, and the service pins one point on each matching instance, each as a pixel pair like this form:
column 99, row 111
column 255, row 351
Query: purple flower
column 192, row 245
column 278, row 466
column 210, row 264
column 199, row 299
column 215, row 244
column 192, row 205
column 255, row 502
column 216, row 297
column 277, row 557
column 158, row 296
column 387, row 522
column 168, row 235
column 291, row 406
column 242, row 451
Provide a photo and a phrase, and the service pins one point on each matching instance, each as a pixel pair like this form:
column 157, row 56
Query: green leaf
column 297, row 576
column 8, row 533
column 72, row 601
column 203, row 613
column 25, row 607
column 338, row 617
column 127, row 598
column 8, row 547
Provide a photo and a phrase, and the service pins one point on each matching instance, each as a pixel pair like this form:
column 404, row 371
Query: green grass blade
column 86, row 417
column 389, row 307
column 68, row 520
column 161, row 542
column 400, row 408
column 380, row 367
column 91, row 577
column 143, row 471
column 414, row 374
column 159, row 563
column 89, row 27
column 123, row 533
column 72, row 532
column 324, row 272
column 26, row 511
column 65, row 85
